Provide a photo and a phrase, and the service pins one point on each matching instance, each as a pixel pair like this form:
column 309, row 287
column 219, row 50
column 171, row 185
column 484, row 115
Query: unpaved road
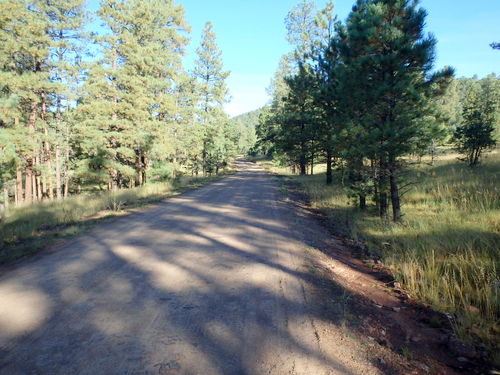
column 205, row 283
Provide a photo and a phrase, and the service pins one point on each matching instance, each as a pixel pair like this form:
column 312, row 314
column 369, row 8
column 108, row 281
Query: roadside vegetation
column 445, row 253
column 28, row 228
column 359, row 118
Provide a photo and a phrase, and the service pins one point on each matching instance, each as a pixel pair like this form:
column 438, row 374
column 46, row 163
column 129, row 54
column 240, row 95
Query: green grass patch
column 447, row 252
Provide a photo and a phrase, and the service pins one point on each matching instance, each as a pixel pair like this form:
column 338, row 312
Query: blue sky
column 251, row 34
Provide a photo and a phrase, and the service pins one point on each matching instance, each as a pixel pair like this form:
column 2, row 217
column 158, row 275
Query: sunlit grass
column 26, row 223
column 447, row 252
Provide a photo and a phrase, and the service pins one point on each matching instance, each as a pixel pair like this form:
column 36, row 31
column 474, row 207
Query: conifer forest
column 82, row 111
column 397, row 155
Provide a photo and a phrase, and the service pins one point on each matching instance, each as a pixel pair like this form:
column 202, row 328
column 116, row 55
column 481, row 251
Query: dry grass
column 28, row 228
column 447, row 251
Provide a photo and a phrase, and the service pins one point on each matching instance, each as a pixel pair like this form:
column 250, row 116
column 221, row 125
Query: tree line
column 361, row 95
column 106, row 110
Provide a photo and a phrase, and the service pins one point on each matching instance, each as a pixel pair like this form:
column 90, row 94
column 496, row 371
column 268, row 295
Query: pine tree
column 480, row 115
column 390, row 59
column 68, row 41
column 130, row 93
column 213, row 94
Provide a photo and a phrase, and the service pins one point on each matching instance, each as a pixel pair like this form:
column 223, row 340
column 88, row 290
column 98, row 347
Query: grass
column 447, row 251
column 28, row 228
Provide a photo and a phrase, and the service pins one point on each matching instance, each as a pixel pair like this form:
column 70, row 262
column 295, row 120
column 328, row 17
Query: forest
column 84, row 111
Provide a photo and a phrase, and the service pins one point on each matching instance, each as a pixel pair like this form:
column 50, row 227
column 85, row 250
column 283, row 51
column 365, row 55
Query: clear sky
column 251, row 34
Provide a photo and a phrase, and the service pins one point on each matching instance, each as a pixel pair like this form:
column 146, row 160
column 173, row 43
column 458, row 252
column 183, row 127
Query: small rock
column 416, row 338
column 396, row 309
column 462, row 359
column 382, row 332
column 381, row 361
column 397, row 285
column 377, row 261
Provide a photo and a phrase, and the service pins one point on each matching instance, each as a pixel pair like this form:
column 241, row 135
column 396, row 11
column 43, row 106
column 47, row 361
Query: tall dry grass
column 447, row 252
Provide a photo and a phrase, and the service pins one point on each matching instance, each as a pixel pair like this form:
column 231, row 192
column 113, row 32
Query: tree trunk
column 114, row 179
column 58, row 172
column 28, row 196
column 395, row 199
column 144, row 161
column 33, row 185
column 382, row 188
column 302, row 162
column 30, row 188
column 38, row 179
column 66, row 164
column 5, row 196
column 49, row 186
column 362, row 202
column 66, row 187
column 138, row 168
column 329, row 176
column 19, row 187
column 174, row 162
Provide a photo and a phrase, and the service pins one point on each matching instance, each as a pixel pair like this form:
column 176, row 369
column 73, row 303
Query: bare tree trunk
column 33, row 185
column 49, row 186
column 329, row 175
column 58, row 172
column 66, row 187
column 28, row 196
column 66, row 164
column 382, row 188
column 6, row 196
column 312, row 163
column 144, row 168
column 302, row 162
column 114, row 179
column 174, row 162
column 29, row 167
column 395, row 199
column 38, row 179
column 138, row 167
column 362, row 201
column 19, row 187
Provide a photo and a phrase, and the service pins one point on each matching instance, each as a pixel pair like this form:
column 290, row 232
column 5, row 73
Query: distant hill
column 249, row 119
column 245, row 126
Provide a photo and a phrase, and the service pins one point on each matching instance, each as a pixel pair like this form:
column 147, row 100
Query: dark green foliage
column 361, row 96
column 130, row 116
column 245, row 125
column 218, row 138
column 480, row 116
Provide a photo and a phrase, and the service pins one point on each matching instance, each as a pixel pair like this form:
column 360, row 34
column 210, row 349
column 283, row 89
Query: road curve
column 204, row 283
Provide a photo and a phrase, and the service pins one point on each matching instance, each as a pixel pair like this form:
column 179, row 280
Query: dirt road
column 210, row 282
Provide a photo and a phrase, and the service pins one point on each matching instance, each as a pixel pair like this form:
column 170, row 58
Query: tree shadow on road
column 205, row 281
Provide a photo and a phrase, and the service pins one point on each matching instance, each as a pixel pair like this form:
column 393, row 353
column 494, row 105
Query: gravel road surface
column 208, row 282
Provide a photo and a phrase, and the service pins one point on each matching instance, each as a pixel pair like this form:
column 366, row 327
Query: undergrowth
column 446, row 253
